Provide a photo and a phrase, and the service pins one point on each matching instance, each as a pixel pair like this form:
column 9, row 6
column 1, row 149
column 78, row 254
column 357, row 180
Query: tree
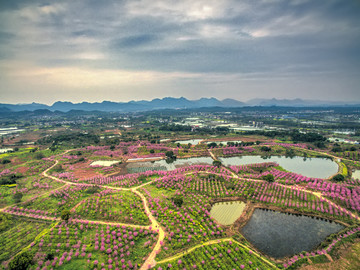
column 65, row 215
column 169, row 154
column 269, row 178
column 112, row 148
column 58, row 168
column 265, row 149
column 178, row 200
column 21, row 261
column 338, row 178
column 212, row 145
column 39, row 155
column 5, row 161
column 17, row 197
column 216, row 163
column 336, row 149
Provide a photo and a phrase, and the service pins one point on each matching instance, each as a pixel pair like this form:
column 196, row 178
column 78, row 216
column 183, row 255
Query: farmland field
column 200, row 212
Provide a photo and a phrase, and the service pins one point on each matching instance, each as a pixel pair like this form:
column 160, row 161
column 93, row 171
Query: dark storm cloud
column 135, row 41
column 194, row 41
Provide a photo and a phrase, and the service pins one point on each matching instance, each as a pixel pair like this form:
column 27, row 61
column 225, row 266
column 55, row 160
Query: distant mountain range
column 167, row 103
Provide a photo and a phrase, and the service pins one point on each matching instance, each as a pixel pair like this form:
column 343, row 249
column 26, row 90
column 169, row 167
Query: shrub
column 338, row 178
column 178, row 200
column 17, row 197
column 169, row 154
column 5, row 161
column 269, row 178
column 216, row 163
column 265, row 149
column 21, row 261
column 58, row 168
column 39, row 155
column 65, row 215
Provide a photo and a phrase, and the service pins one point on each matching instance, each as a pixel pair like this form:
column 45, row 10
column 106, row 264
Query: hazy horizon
column 139, row 50
column 137, row 100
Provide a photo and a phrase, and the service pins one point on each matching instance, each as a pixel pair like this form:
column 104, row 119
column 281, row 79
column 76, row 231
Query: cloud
column 70, row 43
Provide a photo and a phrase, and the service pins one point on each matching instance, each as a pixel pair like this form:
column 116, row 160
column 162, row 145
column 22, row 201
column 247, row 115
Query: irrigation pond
column 192, row 142
column 310, row 167
column 163, row 165
column 280, row 234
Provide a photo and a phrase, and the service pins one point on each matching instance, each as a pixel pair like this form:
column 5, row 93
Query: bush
column 5, row 161
column 39, row 155
column 58, row 168
column 336, row 149
column 269, row 178
column 93, row 189
column 17, row 197
column 212, row 145
column 10, row 179
column 265, row 149
column 216, row 163
column 21, row 261
column 178, row 200
column 65, row 215
column 338, row 178
column 152, row 151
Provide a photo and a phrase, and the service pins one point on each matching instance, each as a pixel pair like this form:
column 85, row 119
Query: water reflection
column 280, row 234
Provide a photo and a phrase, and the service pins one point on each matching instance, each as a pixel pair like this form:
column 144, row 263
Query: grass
column 349, row 261
column 16, row 234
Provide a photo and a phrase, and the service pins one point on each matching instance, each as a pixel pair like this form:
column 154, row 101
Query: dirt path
column 317, row 194
column 150, row 261
column 215, row 241
column 155, row 225
column 212, row 154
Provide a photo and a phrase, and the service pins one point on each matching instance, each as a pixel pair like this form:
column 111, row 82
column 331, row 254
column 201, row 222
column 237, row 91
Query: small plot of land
column 110, row 216
column 349, row 261
column 52, row 205
column 226, row 213
column 109, row 205
column 222, row 255
column 16, row 233
column 71, row 245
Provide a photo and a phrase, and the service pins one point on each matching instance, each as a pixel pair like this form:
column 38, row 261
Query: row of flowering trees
column 51, row 206
column 185, row 226
column 293, row 262
column 259, row 191
column 100, row 246
column 221, row 255
column 112, row 205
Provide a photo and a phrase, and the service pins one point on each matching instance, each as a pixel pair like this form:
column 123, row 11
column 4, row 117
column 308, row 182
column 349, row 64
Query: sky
column 77, row 50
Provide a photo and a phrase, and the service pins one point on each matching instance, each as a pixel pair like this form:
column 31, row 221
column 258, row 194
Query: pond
column 279, row 234
column 149, row 165
column 192, row 142
column 223, row 142
column 310, row 167
column 356, row 174
column 226, row 213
